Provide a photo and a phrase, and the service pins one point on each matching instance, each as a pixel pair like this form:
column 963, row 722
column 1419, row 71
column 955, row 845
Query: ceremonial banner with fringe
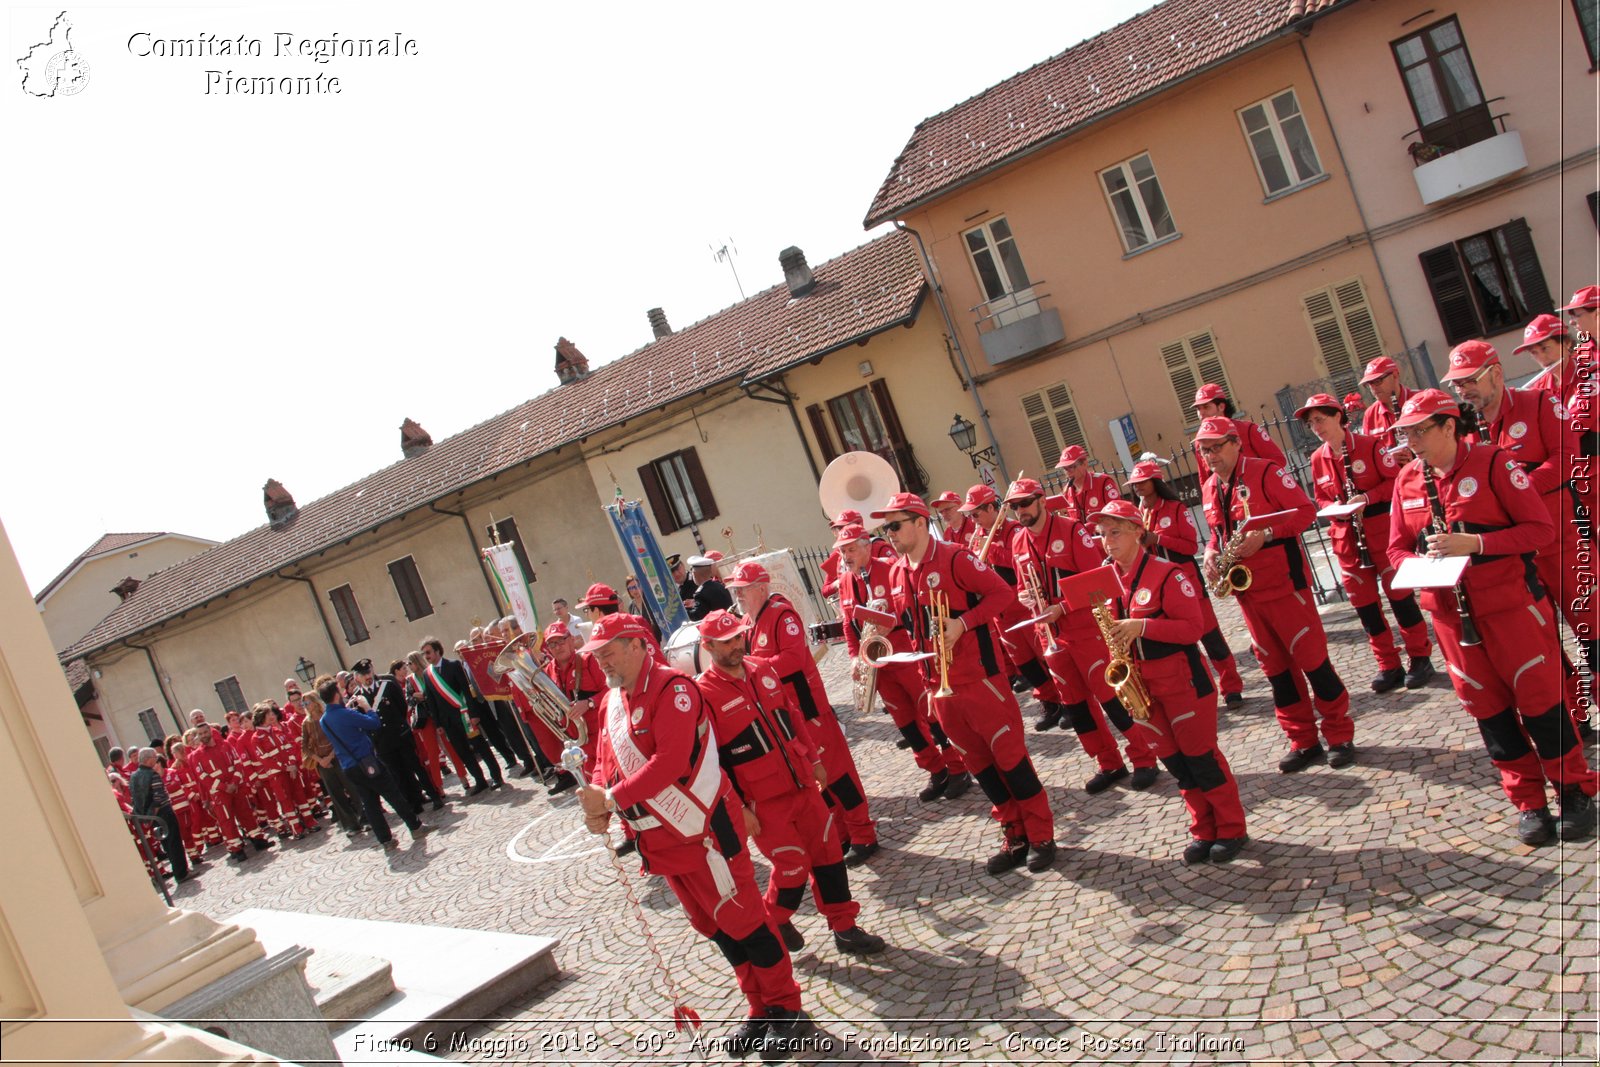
column 513, row 586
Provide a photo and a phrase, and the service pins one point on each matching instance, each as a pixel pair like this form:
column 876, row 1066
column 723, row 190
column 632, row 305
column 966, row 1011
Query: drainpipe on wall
column 477, row 552
column 155, row 672
column 781, row 395
column 322, row 615
column 961, row 355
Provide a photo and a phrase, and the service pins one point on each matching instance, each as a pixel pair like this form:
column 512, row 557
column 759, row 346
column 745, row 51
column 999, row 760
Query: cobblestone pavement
column 1381, row 913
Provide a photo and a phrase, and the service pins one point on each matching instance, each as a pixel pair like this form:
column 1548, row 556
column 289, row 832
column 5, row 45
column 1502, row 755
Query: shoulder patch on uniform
column 1185, row 586
column 769, row 681
column 682, row 701
column 1519, row 478
column 1142, row 597
column 1288, row 480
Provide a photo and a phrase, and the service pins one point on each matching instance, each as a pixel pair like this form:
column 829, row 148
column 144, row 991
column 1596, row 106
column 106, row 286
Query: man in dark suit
column 704, row 592
column 396, row 747
column 448, row 690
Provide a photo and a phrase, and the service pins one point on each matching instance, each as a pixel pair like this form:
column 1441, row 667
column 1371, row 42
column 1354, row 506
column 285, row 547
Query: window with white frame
column 996, row 260
column 1140, row 207
column 1280, row 142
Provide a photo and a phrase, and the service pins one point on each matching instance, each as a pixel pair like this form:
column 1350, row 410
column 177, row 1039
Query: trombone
column 941, row 616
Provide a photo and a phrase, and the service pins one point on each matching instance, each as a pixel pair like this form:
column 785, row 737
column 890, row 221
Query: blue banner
column 649, row 565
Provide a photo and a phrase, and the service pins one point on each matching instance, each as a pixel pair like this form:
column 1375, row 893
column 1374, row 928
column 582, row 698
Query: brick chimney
column 414, row 440
column 281, row 508
column 126, row 588
column 795, row 271
column 570, row 363
column 658, row 323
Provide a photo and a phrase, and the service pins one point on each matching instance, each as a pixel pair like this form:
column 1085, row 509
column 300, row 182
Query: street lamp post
column 965, row 436
column 305, row 670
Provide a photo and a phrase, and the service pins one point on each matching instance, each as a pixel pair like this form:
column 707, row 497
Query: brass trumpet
column 941, row 616
column 1046, row 632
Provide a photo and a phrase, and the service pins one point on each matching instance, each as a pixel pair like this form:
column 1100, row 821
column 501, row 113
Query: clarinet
column 1469, row 630
column 1357, row 524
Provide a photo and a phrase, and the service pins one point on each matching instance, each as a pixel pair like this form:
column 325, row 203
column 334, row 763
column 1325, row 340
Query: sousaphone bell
column 519, row 661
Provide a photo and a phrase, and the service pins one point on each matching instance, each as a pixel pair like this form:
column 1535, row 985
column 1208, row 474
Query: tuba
column 519, row 661
column 857, row 481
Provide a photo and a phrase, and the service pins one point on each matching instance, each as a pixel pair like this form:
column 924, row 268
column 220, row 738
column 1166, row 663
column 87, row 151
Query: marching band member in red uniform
column 221, row 782
column 1509, row 679
column 583, row 683
column 777, row 636
column 1086, row 491
column 980, row 716
column 1545, row 338
column 958, row 528
column 1211, row 401
column 1170, row 534
column 1022, row 660
column 1047, row 547
column 1279, row 610
column 1382, row 377
column 1158, row 624
column 1349, row 461
column 764, row 746
column 657, row 769
column 830, row 567
column 275, row 764
column 863, row 590
column 1584, row 311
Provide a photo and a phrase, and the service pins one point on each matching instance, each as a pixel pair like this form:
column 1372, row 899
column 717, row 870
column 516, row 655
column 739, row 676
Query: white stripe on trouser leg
column 1185, row 715
column 996, row 736
column 1534, row 662
column 1537, row 614
column 1296, row 640
column 1464, row 676
column 1148, row 725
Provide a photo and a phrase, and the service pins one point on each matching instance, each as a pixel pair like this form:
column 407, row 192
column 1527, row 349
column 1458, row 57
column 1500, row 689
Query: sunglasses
column 1025, row 502
column 894, row 526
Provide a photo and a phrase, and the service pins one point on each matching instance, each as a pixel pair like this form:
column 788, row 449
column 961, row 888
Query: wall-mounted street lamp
column 305, row 670
column 965, row 436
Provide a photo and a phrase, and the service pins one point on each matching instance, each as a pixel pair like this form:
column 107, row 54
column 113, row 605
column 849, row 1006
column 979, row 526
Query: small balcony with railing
column 1018, row 324
column 1465, row 152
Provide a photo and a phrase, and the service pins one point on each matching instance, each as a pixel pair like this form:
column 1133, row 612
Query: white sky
column 201, row 292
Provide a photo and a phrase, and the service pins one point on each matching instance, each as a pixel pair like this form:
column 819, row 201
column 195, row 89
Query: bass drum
column 683, row 650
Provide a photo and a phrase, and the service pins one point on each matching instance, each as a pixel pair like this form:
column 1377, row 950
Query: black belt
column 1154, row 650
column 1173, row 557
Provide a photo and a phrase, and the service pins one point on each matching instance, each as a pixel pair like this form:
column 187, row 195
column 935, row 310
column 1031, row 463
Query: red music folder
column 1090, row 588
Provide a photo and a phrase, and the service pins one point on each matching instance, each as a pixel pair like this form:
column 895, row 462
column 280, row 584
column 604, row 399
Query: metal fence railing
column 147, row 831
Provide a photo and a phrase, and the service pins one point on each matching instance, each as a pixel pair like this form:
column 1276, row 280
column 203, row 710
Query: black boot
column 1578, row 813
column 1387, row 680
column 1051, row 717
column 1420, row 673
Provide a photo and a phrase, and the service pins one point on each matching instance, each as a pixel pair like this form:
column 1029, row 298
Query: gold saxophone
column 874, row 646
column 1233, row 576
column 1122, row 674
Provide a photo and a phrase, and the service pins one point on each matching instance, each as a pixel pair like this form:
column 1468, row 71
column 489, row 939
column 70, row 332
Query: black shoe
column 1420, row 673
column 628, row 847
column 1342, row 755
column 1223, row 851
column 788, row 1032
column 859, row 854
column 1578, row 813
column 1144, row 777
column 438, row 803
column 1104, row 780
column 857, row 942
column 498, row 783
column 261, row 844
column 526, row 771
column 1387, row 680
column 1051, row 717
column 1197, row 851
column 902, row 743
column 238, row 857
column 1535, row 827
column 1043, row 855
column 751, row 1035
column 1019, row 684
column 1233, row 700
column 938, row 782
column 563, row 782
column 1007, row 859
column 793, row 939
column 1299, row 759
column 959, row 783
column 477, row 787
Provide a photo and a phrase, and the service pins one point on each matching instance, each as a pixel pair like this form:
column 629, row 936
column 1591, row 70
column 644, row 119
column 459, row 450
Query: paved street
column 1381, row 913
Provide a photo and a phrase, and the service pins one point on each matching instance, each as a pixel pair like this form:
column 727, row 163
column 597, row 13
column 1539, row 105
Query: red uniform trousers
column 1292, row 648
column 1183, row 731
column 1215, row 645
column 282, row 807
column 1063, row 686
column 1512, row 684
column 432, row 748
column 1562, row 572
column 191, row 845
column 1079, row 668
column 799, row 837
column 844, row 781
column 983, row 721
column 900, row 686
column 234, row 817
column 1362, row 585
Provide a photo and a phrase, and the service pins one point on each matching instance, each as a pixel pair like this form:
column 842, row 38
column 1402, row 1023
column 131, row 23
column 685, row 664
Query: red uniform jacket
column 1378, row 421
column 1253, row 441
column 1535, row 430
column 762, row 740
column 1062, row 547
column 267, row 752
column 777, row 635
column 1491, row 495
column 830, row 566
column 215, row 767
column 1373, row 471
column 1098, row 490
column 1167, row 598
column 180, row 783
column 961, row 532
column 1280, row 568
column 580, row 678
column 855, row 589
column 977, row 596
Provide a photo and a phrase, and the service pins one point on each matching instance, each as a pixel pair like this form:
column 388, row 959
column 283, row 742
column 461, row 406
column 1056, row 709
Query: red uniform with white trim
column 776, row 634
column 830, row 566
column 180, row 790
column 1512, row 682
column 1279, row 609
column 1098, row 490
column 1378, row 420
column 271, row 759
column 1177, row 540
column 221, row 782
column 1253, row 442
column 981, row 718
column 580, row 678
column 1183, row 701
column 1372, row 472
column 764, row 747
column 658, row 757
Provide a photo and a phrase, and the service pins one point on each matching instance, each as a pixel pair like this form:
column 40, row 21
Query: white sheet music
column 904, row 657
column 1420, row 572
column 1339, row 511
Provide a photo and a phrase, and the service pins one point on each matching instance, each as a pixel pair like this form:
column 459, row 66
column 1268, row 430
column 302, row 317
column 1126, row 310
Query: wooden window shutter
column 1448, row 284
column 1065, row 411
column 702, row 488
column 1208, row 364
column 819, row 428
column 1043, row 427
column 1366, row 343
column 665, row 521
column 886, row 412
column 1525, row 262
column 1180, row 372
column 1338, row 361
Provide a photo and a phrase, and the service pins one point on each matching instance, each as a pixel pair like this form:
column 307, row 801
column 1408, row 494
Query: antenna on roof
column 725, row 254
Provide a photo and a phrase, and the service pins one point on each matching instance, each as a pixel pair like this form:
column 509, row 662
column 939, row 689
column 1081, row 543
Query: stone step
column 347, row 985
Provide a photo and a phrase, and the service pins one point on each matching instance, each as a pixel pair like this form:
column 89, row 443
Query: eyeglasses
column 1025, row 502
column 1212, row 449
column 894, row 526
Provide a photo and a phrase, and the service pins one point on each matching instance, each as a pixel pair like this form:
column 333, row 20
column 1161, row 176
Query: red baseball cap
column 1424, row 405
column 849, row 535
column 1022, row 489
column 1215, row 429
column 748, row 573
column 1318, row 400
column 612, row 627
column 1146, row 470
column 1070, row 455
column 1587, row 297
column 977, row 497
column 1209, row 393
column 597, row 595
column 1542, row 328
column 1381, row 367
column 721, row 625
column 942, row 499
column 1469, row 358
column 1119, row 509
column 555, row 630
column 907, row 502
column 845, row 518
column 1354, row 403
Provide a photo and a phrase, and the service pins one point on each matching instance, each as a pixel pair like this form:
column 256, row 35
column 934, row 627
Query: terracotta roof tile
column 857, row 294
column 1089, row 80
